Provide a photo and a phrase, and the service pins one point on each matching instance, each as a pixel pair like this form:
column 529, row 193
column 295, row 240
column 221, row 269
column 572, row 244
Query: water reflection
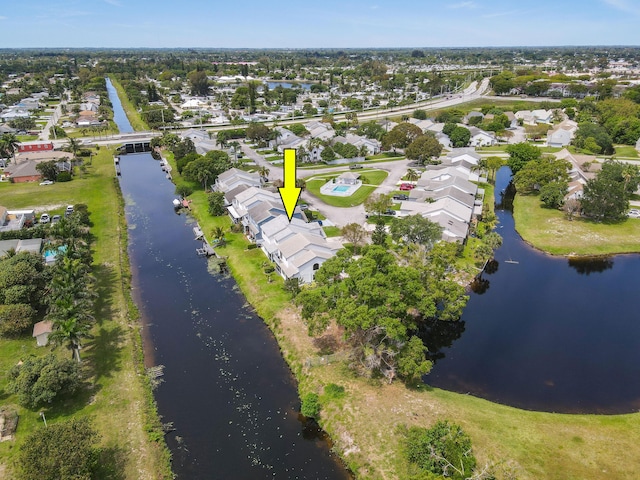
column 438, row 335
column 479, row 285
column 589, row 265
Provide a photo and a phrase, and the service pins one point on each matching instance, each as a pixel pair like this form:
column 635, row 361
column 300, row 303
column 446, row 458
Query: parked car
column 46, row 182
column 407, row 186
column 45, row 218
column 634, row 213
column 401, row 196
column 304, row 206
column 69, row 210
column 355, row 166
column 55, row 219
column 386, row 212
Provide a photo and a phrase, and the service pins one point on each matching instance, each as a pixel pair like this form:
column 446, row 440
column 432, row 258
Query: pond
column 304, row 86
column 546, row 333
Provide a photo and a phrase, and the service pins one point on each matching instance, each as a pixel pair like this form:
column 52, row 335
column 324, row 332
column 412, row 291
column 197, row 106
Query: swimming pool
column 342, row 188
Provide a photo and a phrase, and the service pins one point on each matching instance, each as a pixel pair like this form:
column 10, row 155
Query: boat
column 176, row 203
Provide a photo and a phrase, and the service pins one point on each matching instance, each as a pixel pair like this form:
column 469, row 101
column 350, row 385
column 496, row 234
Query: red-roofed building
column 35, row 147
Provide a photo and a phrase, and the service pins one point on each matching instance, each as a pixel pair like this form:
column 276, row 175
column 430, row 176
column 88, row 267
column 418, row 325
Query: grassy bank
column 134, row 117
column 550, row 231
column 363, row 424
column 116, row 397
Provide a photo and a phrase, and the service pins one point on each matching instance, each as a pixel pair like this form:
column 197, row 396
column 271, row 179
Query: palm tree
column 218, row 235
column 629, row 172
column 70, row 331
column 264, row 173
column 9, row 144
column 276, row 135
column 491, row 164
column 236, row 147
column 69, row 306
column 73, row 145
column 413, row 175
column 301, row 154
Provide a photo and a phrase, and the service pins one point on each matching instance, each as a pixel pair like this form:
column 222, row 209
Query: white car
column 634, row 213
column 45, row 218
column 47, row 182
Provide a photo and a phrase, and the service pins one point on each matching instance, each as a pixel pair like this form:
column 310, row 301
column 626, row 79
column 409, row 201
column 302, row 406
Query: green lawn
column 115, row 396
column 550, row 231
column 493, row 148
column 26, row 138
column 385, row 156
column 373, row 177
column 626, row 151
column 332, row 231
column 550, row 149
column 91, row 132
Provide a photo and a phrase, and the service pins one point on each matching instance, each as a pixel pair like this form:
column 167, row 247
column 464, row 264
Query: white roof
column 455, row 209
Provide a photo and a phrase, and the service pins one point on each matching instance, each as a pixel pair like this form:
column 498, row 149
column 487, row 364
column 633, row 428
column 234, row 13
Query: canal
column 546, row 333
column 226, row 391
column 119, row 117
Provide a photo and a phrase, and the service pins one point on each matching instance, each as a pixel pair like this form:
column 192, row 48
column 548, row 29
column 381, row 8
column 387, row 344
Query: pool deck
column 339, row 189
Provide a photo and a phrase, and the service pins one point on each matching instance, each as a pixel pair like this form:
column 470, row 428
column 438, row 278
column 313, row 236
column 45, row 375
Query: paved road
column 53, row 120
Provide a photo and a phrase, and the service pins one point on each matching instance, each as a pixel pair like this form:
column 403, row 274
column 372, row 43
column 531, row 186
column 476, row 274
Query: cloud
column 374, row 7
column 462, row 5
column 115, row 3
column 3, row 17
column 624, row 5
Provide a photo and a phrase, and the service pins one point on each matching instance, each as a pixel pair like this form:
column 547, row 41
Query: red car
column 407, row 186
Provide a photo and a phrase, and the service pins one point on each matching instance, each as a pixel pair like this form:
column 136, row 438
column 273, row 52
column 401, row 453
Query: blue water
column 341, row 188
column 119, row 117
column 304, row 86
column 547, row 333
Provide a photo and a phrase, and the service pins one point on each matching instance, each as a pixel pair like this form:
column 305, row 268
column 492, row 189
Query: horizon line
column 326, row 48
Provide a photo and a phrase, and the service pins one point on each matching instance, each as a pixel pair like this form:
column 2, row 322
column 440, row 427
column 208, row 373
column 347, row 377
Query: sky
column 316, row 23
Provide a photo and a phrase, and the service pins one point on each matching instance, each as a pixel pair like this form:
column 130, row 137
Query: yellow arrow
column 289, row 193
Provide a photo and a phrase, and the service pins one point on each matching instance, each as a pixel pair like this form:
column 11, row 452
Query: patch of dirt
column 8, row 424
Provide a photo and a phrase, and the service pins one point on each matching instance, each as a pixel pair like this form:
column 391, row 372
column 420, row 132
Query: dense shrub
column 443, row 449
column 63, row 177
column 310, row 405
column 62, row 451
column 15, row 319
column 39, row 380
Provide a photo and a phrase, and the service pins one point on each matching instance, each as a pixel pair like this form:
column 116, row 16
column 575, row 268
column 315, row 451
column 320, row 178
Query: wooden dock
column 197, row 231
column 206, row 250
